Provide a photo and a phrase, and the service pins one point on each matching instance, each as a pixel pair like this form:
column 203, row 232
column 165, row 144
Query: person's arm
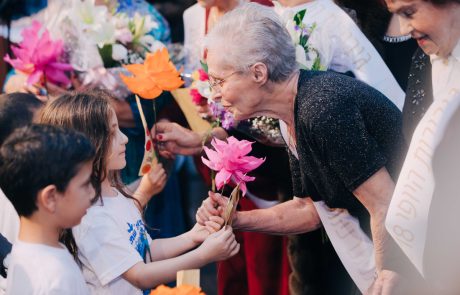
column 292, row 217
column 171, row 247
column 176, row 139
column 218, row 246
column 375, row 194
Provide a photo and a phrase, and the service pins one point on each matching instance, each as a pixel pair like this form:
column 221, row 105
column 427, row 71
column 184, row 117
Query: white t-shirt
column 343, row 47
column 37, row 269
column 9, row 227
column 110, row 239
column 9, row 219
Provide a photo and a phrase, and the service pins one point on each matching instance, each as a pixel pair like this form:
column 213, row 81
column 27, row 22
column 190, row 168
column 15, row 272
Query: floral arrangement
column 229, row 159
column 149, row 80
column 306, row 56
column 180, row 290
column 201, row 95
column 120, row 39
column 38, row 57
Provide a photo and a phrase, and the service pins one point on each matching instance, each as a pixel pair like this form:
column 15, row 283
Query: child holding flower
column 116, row 253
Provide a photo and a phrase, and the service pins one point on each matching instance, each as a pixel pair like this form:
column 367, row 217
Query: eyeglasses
column 216, row 83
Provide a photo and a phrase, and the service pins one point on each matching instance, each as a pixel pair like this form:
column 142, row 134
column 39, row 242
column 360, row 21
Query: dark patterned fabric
column 419, row 93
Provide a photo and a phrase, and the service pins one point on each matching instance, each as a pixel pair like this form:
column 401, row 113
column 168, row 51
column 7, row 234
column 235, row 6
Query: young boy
column 45, row 172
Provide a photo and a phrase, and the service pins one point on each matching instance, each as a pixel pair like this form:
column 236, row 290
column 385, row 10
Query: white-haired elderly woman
column 344, row 136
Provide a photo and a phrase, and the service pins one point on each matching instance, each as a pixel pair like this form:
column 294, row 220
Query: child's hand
column 151, row 184
column 219, row 246
column 199, row 233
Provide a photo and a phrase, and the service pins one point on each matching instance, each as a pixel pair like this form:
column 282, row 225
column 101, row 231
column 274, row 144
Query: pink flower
column 203, row 75
column 196, row 96
column 230, row 161
column 37, row 56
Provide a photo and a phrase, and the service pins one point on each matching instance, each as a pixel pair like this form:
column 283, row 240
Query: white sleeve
column 105, row 248
column 355, row 53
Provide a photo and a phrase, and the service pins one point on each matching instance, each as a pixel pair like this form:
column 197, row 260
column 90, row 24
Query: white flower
column 122, row 31
column 150, row 43
column 142, row 25
column 93, row 20
column 301, row 57
column 291, row 28
column 119, row 52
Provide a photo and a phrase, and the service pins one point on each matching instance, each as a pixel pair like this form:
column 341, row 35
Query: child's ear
column 47, row 198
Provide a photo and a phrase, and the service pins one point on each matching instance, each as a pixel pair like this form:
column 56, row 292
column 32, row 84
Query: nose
column 124, row 138
column 216, row 96
column 405, row 25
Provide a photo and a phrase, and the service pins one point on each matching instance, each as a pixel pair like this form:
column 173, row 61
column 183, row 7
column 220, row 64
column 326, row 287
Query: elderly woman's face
column 436, row 28
column 234, row 89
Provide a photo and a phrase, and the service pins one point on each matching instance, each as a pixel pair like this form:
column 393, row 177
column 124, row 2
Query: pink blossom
column 196, row 96
column 203, row 75
column 230, row 161
column 37, row 56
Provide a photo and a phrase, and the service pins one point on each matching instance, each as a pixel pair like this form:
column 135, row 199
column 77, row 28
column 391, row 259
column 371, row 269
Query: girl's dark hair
column 88, row 112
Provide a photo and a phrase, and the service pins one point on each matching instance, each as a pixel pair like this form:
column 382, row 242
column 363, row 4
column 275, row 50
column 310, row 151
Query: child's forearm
column 146, row 276
column 171, row 247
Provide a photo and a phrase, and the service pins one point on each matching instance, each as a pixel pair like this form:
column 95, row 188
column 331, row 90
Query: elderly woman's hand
column 214, row 205
column 175, row 139
column 388, row 282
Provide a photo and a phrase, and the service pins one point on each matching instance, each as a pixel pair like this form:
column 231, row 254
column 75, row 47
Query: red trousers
column 260, row 268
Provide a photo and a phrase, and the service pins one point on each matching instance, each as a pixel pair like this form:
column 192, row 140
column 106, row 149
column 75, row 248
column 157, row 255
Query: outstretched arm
column 292, row 217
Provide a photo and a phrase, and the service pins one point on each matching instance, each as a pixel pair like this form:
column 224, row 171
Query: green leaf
column 106, row 55
column 298, row 17
column 317, row 65
column 204, row 65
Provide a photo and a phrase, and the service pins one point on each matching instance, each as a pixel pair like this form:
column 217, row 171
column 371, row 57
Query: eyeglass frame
column 220, row 81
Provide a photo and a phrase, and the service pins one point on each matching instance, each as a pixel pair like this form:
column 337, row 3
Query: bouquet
column 229, row 159
column 201, row 95
column 102, row 40
column 39, row 57
column 306, row 56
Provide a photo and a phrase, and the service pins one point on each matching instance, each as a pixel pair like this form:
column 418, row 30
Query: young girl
column 115, row 251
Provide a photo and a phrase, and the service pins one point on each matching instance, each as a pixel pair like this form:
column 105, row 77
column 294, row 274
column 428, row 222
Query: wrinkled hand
column 219, row 246
column 388, row 282
column 175, row 139
column 214, row 205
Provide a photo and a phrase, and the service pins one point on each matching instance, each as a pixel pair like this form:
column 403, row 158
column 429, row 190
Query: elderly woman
column 344, row 136
column 426, row 228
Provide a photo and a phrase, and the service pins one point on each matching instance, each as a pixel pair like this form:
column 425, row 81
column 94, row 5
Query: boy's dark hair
column 40, row 155
column 16, row 110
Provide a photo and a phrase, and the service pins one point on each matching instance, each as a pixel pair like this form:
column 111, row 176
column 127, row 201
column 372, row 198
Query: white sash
column 352, row 245
column 408, row 212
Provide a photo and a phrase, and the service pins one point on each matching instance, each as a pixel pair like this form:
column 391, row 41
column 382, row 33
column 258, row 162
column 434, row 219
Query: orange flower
column 155, row 75
column 181, row 290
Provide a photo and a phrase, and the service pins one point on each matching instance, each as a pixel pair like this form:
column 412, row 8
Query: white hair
column 254, row 33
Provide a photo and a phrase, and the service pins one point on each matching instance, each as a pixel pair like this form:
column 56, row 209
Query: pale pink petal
column 222, row 178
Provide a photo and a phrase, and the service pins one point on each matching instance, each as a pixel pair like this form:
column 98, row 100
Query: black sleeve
column 5, row 249
column 296, row 176
column 342, row 140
